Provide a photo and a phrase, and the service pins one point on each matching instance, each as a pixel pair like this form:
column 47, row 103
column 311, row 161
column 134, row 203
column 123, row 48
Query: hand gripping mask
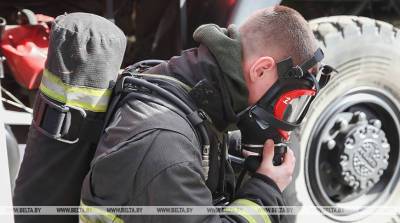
column 285, row 104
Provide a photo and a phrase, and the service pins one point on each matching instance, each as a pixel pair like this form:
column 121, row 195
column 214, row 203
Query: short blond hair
column 281, row 30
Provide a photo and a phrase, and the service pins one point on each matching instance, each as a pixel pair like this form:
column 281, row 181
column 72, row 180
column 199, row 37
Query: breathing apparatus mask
column 283, row 107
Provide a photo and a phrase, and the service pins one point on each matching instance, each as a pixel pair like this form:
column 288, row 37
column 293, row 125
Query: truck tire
column 347, row 148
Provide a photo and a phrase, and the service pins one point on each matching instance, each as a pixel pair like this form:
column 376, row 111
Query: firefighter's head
column 280, row 68
column 268, row 36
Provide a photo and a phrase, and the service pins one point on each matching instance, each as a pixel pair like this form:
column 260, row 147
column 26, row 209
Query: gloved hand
column 281, row 175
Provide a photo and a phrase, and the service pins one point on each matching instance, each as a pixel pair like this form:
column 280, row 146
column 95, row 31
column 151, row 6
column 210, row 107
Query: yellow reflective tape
column 82, row 218
column 88, row 98
column 242, row 213
column 61, row 98
column 260, row 210
column 100, row 212
column 76, row 89
column 52, row 94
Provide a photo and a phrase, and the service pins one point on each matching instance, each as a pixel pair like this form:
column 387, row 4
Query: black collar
column 198, row 69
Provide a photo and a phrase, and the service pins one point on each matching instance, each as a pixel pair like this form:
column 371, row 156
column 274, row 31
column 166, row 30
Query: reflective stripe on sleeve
column 96, row 215
column 249, row 210
column 91, row 99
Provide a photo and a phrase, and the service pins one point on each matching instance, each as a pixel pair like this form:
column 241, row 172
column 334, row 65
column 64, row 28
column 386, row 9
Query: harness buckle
column 55, row 120
column 296, row 72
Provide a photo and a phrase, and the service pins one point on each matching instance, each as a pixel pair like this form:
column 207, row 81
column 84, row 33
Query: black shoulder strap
column 129, row 82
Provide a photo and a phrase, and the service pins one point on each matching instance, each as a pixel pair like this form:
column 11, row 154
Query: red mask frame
column 283, row 102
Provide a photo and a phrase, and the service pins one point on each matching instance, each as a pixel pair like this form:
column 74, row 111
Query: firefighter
column 162, row 143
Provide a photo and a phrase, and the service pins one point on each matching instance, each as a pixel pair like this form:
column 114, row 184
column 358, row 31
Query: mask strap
column 287, row 70
column 315, row 81
column 243, row 111
column 318, row 56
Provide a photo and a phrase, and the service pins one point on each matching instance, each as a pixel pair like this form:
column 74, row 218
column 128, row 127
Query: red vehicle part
column 25, row 48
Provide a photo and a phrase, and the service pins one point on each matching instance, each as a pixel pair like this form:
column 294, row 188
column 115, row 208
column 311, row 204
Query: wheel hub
column 364, row 150
column 349, row 160
column 365, row 156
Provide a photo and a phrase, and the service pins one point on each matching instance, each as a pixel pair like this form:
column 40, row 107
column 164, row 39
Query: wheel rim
column 352, row 160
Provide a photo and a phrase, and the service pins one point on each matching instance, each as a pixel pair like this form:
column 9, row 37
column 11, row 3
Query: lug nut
column 342, row 124
column 370, row 183
column 360, row 116
column 349, row 141
column 331, row 144
column 376, row 123
column 356, row 184
column 344, row 157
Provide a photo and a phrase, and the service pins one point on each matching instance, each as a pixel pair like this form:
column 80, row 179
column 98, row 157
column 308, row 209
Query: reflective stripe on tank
column 88, row 98
column 249, row 210
column 96, row 215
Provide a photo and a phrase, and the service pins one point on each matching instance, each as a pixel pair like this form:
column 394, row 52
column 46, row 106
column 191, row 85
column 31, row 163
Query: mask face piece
column 284, row 105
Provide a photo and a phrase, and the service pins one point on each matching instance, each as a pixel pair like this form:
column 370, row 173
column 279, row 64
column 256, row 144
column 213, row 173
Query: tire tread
column 345, row 26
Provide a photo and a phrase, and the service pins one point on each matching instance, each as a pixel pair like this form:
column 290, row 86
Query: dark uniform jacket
column 150, row 154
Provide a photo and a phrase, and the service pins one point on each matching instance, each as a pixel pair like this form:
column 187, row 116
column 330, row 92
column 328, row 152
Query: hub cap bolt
column 367, row 151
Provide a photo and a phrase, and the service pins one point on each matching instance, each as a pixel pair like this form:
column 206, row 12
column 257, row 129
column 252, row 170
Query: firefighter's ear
column 262, row 74
column 262, row 68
